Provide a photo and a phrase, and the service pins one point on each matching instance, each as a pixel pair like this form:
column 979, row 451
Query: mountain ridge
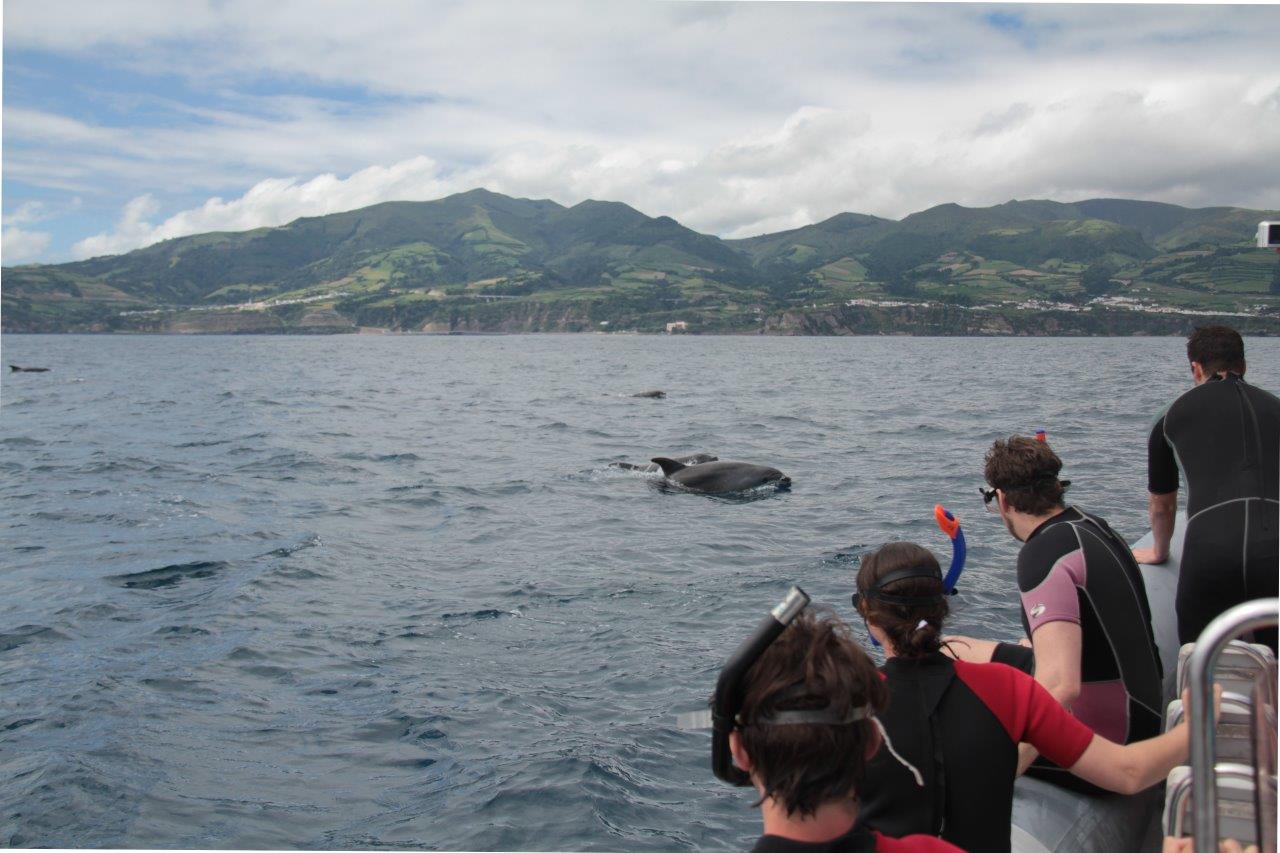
column 407, row 265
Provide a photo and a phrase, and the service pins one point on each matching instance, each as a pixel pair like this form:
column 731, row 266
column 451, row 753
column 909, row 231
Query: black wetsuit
column 857, row 840
column 1225, row 436
column 959, row 725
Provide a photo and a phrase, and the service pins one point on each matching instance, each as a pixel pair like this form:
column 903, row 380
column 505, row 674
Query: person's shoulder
column 1049, row 542
column 913, row 843
column 1265, row 397
column 1199, row 401
column 992, row 682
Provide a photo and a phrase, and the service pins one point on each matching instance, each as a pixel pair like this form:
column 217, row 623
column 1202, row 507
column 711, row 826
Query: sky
column 130, row 122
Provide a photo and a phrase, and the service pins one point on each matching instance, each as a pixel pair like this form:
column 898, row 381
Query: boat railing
column 1250, row 616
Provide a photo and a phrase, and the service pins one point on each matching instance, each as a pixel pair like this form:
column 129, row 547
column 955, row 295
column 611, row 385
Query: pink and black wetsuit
column 1075, row 568
column 959, row 725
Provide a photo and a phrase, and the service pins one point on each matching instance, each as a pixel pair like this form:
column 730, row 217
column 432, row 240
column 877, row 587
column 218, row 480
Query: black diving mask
column 726, row 702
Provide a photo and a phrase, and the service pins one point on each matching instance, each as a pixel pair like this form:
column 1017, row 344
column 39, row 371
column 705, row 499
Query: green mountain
column 481, row 261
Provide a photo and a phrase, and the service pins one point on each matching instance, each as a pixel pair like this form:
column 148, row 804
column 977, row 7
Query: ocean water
column 366, row 592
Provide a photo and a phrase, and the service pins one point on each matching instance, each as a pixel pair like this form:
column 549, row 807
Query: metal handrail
column 1250, row 616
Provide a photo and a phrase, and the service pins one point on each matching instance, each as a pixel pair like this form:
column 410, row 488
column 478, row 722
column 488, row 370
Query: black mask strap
column 926, row 572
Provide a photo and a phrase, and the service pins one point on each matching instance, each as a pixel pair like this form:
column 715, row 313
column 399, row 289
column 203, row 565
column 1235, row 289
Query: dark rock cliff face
column 533, row 316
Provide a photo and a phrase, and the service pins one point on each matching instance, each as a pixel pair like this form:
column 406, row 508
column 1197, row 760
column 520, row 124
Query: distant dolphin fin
column 13, row 368
column 668, row 466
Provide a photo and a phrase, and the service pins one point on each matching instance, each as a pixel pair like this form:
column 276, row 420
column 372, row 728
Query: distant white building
column 677, row 326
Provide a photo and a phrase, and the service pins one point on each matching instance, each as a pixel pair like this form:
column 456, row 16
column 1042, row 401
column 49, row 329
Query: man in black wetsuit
column 1084, row 605
column 1224, row 434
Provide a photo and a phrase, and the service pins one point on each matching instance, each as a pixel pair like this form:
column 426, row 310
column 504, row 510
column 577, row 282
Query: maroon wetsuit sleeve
column 1028, row 712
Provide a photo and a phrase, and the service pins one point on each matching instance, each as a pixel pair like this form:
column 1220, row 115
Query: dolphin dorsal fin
column 668, row 466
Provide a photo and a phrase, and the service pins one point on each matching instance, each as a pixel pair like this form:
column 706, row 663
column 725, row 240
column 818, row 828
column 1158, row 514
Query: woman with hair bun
column 959, row 724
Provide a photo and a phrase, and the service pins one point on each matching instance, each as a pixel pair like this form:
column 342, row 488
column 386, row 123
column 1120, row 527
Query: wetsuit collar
column 1058, row 516
column 897, row 663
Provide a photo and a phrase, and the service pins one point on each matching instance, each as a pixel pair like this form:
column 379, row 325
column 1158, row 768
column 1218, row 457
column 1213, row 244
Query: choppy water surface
column 386, row 591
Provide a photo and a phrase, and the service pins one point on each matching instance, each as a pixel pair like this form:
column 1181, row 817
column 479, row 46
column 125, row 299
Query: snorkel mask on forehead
column 726, row 703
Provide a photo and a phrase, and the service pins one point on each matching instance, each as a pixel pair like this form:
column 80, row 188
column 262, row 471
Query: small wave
column 21, row 441
column 477, row 615
column 19, row 723
column 281, row 462
column 28, row 634
column 382, row 457
column 169, row 575
column 184, row 687
column 101, row 610
column 213, row 442
column 180, row 631
column 27, row 549
column 310, row 541
column 554, row 426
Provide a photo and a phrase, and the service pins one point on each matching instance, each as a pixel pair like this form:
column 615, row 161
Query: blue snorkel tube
column 949, row 525
column 959, row 550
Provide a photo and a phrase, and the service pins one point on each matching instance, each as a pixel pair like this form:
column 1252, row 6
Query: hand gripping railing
column 1250, row 616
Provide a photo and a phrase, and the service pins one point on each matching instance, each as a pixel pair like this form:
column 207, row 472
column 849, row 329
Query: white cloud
column 734, row 118
column 18, row 245
column 131, row 231
column 276, row 201
column 823, row 161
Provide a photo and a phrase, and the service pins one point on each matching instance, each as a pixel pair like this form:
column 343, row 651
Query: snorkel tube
column 950, row 525
column 727, row 700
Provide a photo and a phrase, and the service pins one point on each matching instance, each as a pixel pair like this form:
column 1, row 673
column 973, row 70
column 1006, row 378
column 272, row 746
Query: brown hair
column 1026, row 470
column 901, row 622
column 1216, row 348
column 803, row 766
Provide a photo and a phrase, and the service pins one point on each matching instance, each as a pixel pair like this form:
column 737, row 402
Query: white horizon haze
column 132, row 122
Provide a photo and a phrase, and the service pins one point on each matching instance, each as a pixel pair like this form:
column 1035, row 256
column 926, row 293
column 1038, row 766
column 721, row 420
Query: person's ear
column 1197, row 372
column 739, row 752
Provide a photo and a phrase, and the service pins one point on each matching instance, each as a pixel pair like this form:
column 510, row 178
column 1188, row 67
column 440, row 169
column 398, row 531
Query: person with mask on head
column 794, row 716
column 959, row 724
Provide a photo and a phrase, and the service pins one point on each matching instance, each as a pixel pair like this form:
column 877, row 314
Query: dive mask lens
column 989, row 502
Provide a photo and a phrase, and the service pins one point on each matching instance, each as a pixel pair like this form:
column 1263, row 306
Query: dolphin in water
column 652, row 395
column 721, row 477
column 691, row 459
column 13, row 368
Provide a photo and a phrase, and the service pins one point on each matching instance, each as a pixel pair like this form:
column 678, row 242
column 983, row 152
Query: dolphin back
column 726, row 476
